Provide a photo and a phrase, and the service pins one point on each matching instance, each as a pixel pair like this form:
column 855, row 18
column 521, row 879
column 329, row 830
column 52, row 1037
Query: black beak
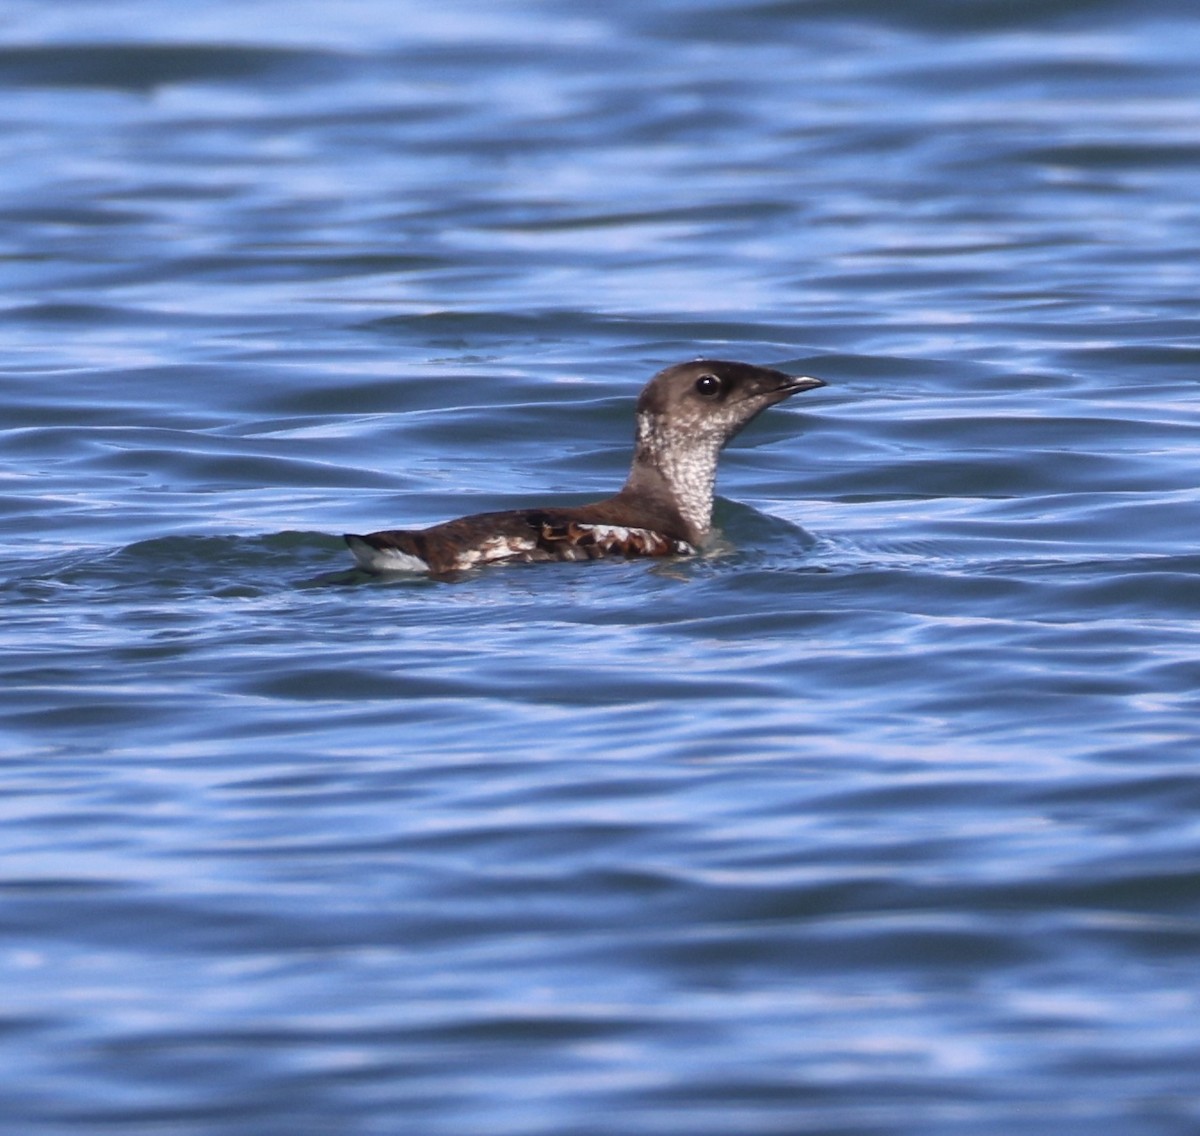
column 796, row 384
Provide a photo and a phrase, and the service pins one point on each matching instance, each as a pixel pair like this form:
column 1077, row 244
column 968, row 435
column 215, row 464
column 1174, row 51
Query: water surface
column 879, row 819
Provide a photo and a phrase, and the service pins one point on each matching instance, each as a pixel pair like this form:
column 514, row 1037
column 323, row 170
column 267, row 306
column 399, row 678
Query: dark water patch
column 624, row 220
column 151, row 66
column 83, row 215
column 313, row 684
column 87, row 315
column 755, row 21
column 1130, row 155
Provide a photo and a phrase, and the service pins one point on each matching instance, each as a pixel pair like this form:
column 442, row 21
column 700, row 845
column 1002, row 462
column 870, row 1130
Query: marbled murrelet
column 685, row 415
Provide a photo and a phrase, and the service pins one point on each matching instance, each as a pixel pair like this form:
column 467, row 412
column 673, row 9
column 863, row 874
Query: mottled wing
column 486, row 538
column 566, row 538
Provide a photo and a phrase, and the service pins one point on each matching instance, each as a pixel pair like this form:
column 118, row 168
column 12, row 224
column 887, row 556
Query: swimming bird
column 685, row 416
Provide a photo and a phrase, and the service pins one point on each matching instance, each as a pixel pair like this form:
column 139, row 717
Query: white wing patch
column 384, row 559
column 495, row 548
column 644, row 540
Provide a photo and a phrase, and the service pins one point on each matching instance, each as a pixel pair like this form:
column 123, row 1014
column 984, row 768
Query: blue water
column 884, row 818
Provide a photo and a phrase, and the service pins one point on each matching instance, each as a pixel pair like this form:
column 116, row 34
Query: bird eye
column 708, row 386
